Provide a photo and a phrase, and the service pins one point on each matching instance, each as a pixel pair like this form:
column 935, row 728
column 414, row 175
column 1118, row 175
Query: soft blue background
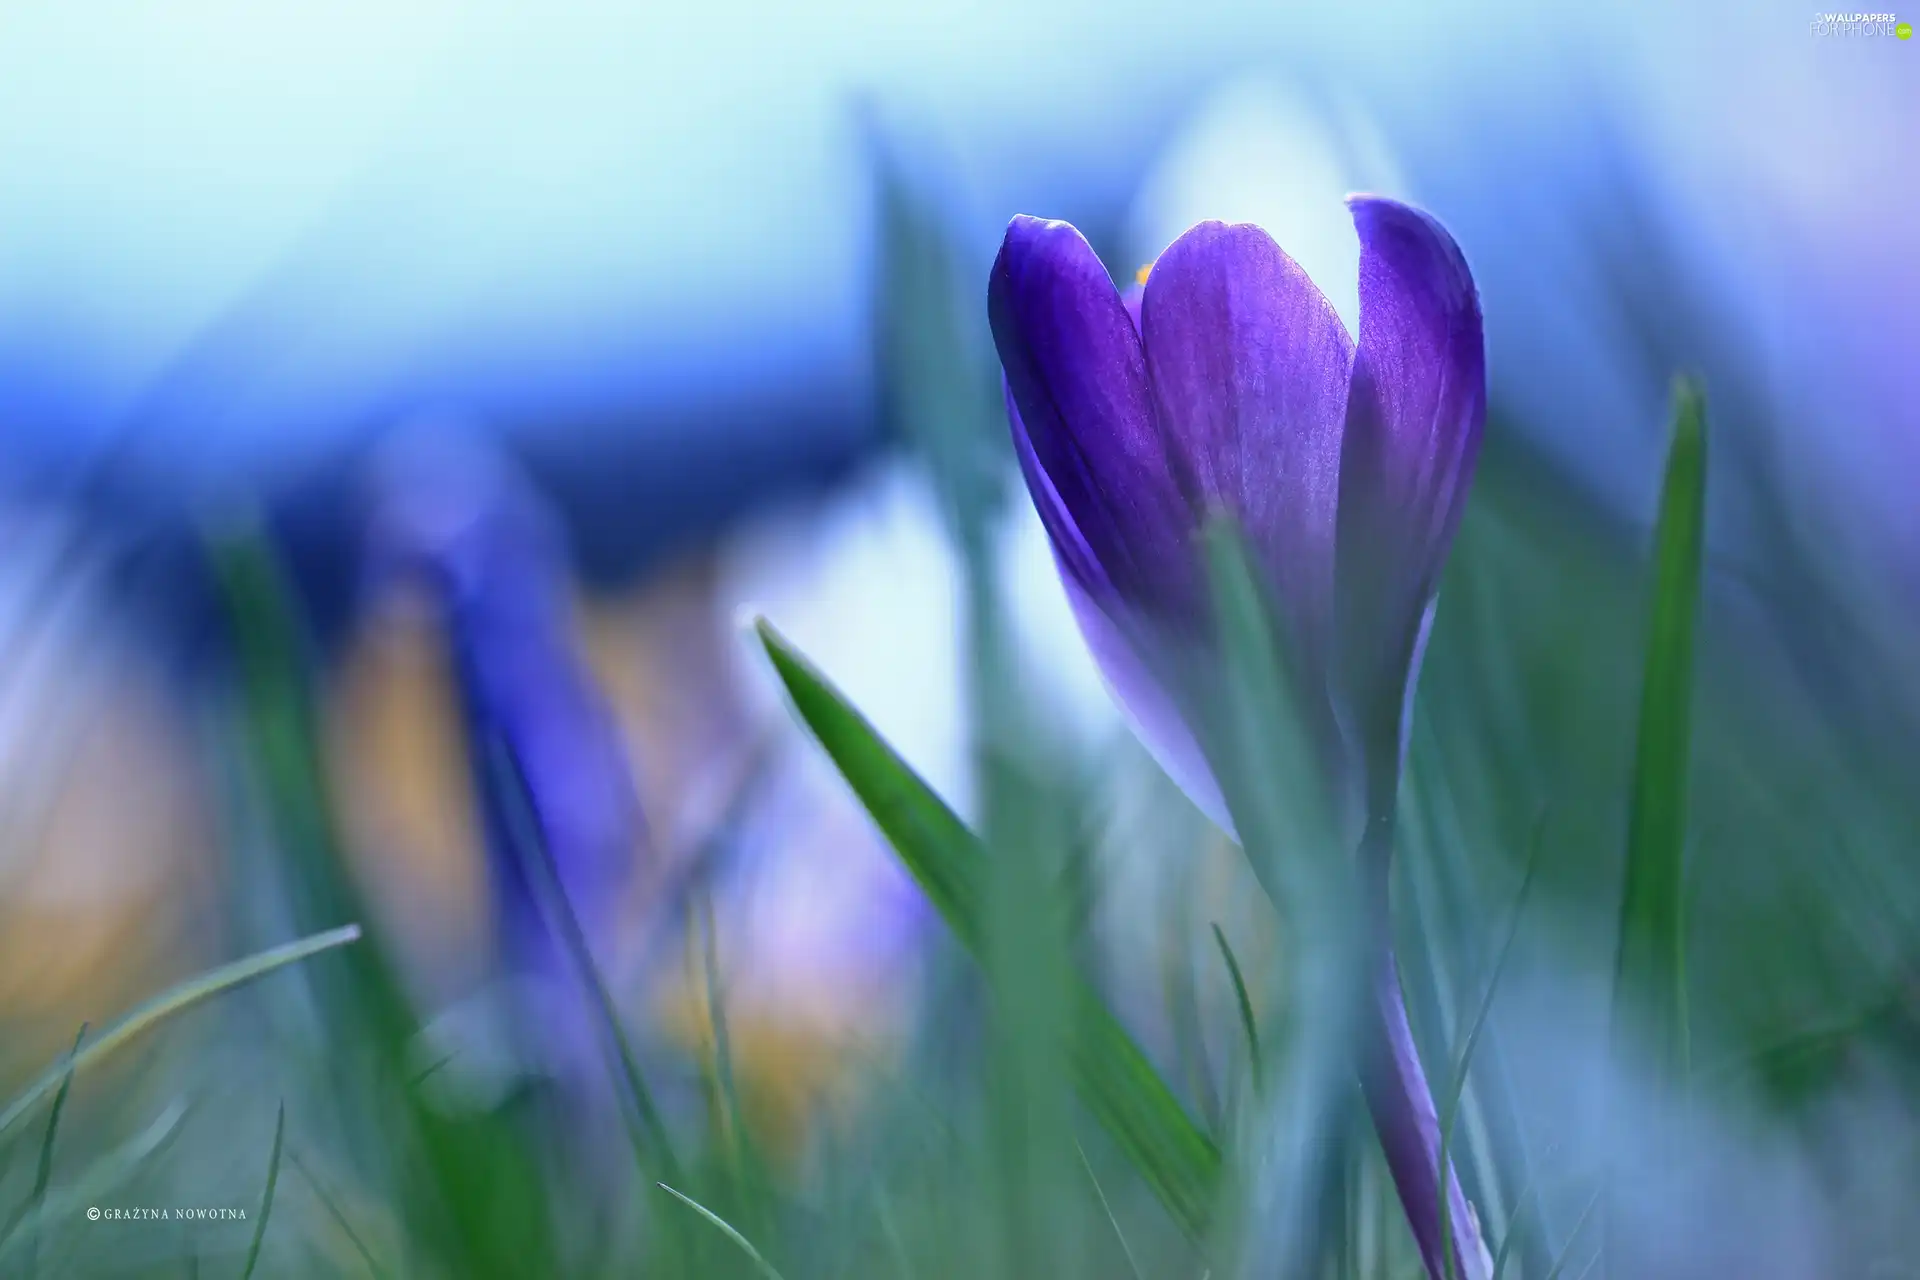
column 250, row 235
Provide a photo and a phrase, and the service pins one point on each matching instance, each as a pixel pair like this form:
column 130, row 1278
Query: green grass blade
column 1113, row 1077
column 942, row 855
column 280, row 720
column 1262, row 751
column 1263, row 742
column 334, row 1211
column 1465, row 1065
column 1143, row 1116
column 174, row 1001
column 1245, row 1005
column 1649, row 1014
column 461, row 1169
column 266, row 1196
column 1191, row 1062
column 1442, row 928
column 43, row 1170
column 725, row 1228
column 1516, row 1223
column 749, row 1167
column 933, row 381
column 1566, row 1251
column 647, row 1129
column 1650, row 969
column 97, row 1181
column 1100, row 1194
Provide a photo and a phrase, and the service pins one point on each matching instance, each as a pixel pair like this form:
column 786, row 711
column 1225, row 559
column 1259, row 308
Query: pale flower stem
column 1400, row 1102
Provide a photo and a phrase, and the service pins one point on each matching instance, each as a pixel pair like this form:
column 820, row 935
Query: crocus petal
column 1415, row 414
column 1114, row 634
column 1145, row 696
column 1077, row 377
column 1078, row 565
column 1249, row 366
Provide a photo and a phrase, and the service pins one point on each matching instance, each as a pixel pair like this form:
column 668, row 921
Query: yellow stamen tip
column 1140, row 276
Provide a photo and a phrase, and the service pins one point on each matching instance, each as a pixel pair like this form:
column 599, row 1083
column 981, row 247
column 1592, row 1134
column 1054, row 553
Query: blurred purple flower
column 1228, row 383
column 473, row 530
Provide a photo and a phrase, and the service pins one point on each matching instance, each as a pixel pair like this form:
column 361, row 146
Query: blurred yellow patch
column 1140, row 276
column 658, row 655
column 105, row 875
column 798, row 1058
column 407, row 805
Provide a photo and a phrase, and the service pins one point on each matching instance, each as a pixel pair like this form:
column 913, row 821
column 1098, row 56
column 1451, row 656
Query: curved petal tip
column 1413, row 244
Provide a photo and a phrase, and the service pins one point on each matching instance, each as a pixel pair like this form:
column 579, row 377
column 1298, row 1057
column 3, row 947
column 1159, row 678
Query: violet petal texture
column 1249, row 366
column 1117, row 641
column 1077, row 375
column 1415, row 415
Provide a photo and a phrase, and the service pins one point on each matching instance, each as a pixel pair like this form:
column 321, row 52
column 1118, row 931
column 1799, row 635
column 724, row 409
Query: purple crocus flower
column 1227, row 382
column 462, row 520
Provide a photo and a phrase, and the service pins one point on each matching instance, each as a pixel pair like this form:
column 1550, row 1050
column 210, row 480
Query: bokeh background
column 697, row 293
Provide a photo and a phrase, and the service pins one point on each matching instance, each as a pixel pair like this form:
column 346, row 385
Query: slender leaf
column 1441, row 927
column 725, row 1228
column 1245, row 1005
column 1114, row 1079
column 461, row 1169
column 97, row 1181
column 1650, row 980
column 1650, row 987
column 647, row 1130
column 266, row 1196
column 1192, row 1065
column 280, row 722
column 1516, row 1223
column 1262, row 742
column 43, row 1171
column 1566, row 1250
column 173, row 1001
column 1472, row 1041
column 334, row 1211
column 1100, row 1194
column 933, row 382
column 749, row 1165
